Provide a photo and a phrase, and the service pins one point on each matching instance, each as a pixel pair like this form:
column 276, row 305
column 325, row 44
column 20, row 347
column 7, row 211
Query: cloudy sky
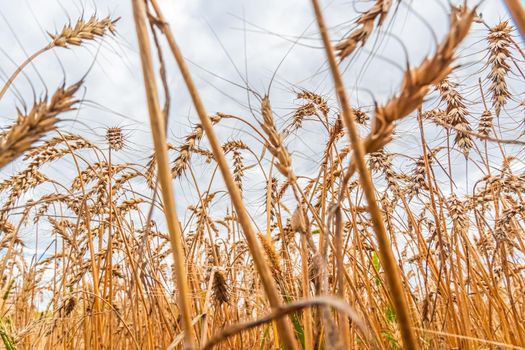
column 228, row 43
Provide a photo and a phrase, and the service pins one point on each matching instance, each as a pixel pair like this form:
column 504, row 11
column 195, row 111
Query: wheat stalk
column 385, row 250
column 518, row 13
column 161, row 152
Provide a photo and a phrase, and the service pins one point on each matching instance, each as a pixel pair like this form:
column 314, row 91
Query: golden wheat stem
column 109, row 261
column 385, row 252
column 305, row 285
column 269, row 193
column 339, row 252
column 161, row 152
column 205, row 318
column 518, row 14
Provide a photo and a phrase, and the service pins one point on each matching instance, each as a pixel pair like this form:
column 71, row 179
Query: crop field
column 262, row 175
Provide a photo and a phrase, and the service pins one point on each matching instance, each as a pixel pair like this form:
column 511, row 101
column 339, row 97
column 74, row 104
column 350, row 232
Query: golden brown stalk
column 284, row 326
column 365, row 25
column 30, row 127
column 20, row 68
column 518, row 14
column 343, row 323
column 164, row 175
column 385, row 251
column 416, row 82
column 338, row 304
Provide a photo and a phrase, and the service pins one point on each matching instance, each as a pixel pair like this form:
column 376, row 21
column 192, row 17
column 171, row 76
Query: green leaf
column 377, row 267
column 8, row 340
column 391, row 340
column 265, row 335
column 299, row 330
column 390, row 314
column 375, row 262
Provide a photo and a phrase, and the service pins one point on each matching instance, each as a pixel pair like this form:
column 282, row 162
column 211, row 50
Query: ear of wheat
column 115, row 138
column 417, row 81
column 365, row 25
column 30, row 127
column 499, row 40
column 83, row 31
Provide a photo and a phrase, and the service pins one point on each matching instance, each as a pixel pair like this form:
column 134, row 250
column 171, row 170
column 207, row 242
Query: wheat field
column 307, row 219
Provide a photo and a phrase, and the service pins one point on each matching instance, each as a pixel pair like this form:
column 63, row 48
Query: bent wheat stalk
column 339, row 304
column 283, row 325
column 164, row 175
column 385, row 251
column 518, row 14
